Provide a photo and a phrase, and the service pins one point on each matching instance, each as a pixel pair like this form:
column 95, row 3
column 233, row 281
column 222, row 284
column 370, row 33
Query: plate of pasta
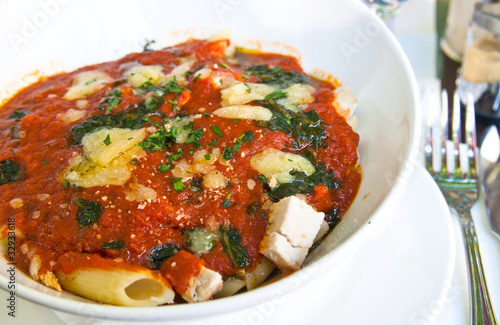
column 182, row 167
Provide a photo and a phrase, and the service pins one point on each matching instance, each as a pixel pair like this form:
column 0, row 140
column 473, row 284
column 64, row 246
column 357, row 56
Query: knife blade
column 490, row 176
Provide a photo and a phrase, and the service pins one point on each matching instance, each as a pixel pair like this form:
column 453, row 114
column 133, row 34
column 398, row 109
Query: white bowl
column 338, row 36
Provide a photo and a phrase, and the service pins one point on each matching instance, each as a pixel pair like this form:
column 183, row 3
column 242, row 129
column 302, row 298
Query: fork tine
column 453, row 145
column 470, row 136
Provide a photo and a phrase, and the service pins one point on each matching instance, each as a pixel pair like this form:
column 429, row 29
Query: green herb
column 236, row 147
column 10, row 172
column 161, row 253
column 263, row 179
column 213, row 142
column 277, row 76
column 195, row 185
column 228, row 153
column 146, row 46
column 207, row 156
column 222, row 64
column 231, row 242
column 18, row 115
column 164, row 168
column 215, row 129
column 107, row 141
column 248, row 90
column 157, row 141
column 200, row 240
column 90, row 81
column 262, row 214
column 111, row 102
column 45, row 162
column 113, row 245
column 236, row 120
column 302, row 183
column 88, row 211
column 302, row 126
column 196, row 77
column 248, row 136
column 175, row 105
column 227, row 203
column 276, row 95
column 332, row 218
column 190, row 72
column 194, row 137
column 67, row 184
column 177, row 183
column 253, row 208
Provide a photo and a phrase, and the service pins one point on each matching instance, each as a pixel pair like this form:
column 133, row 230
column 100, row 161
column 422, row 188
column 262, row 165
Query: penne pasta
column 112, row 282
column 257, row 276
column 230, row 287
column 141, row 288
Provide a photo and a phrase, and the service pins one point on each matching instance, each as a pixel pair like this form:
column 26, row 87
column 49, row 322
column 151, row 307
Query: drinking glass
column 480, row 72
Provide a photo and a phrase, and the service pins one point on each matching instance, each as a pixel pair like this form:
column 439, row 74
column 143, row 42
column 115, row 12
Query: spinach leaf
column 10, row 172
column 302, row 126
column 277, row 76
column 231, row 242
column 161, row 253
column 88, row 211
column 303, row 184
column 133, row 119
column 18, row 114
column 113, row 245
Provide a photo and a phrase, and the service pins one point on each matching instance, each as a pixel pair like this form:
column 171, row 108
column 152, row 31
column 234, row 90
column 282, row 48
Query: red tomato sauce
column 42, row 145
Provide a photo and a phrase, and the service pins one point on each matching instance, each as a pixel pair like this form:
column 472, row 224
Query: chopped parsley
column 111, row 102
column 194, row 137
column 107, row 141
column 222, row 64
column 227, row 203
column 163, row 168
column 157, row 141
column 45, row 162
column 215, row 129
column 178, row 184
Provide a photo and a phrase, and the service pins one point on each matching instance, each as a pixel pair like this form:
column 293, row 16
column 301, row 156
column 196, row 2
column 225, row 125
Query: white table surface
column 414, row 29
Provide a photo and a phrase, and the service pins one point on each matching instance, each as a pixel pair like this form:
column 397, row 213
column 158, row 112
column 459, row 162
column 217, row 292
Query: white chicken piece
column 293, row 225
column 203, row 286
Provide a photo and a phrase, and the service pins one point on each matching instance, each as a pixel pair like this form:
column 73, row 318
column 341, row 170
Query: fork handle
column 481, row 309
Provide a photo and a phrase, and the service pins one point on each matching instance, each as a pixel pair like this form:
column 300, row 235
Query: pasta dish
column 176, row 175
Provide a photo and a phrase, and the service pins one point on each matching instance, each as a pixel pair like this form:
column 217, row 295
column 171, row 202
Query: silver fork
column 453, row 165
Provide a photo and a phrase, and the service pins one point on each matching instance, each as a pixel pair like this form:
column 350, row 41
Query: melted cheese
column 241, row 93
column 105, row 164
column 86, row 83
column 277, row 164
column 245, row 112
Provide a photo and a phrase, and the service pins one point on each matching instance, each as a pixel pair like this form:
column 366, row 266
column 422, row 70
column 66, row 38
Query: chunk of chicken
column 293, row 225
